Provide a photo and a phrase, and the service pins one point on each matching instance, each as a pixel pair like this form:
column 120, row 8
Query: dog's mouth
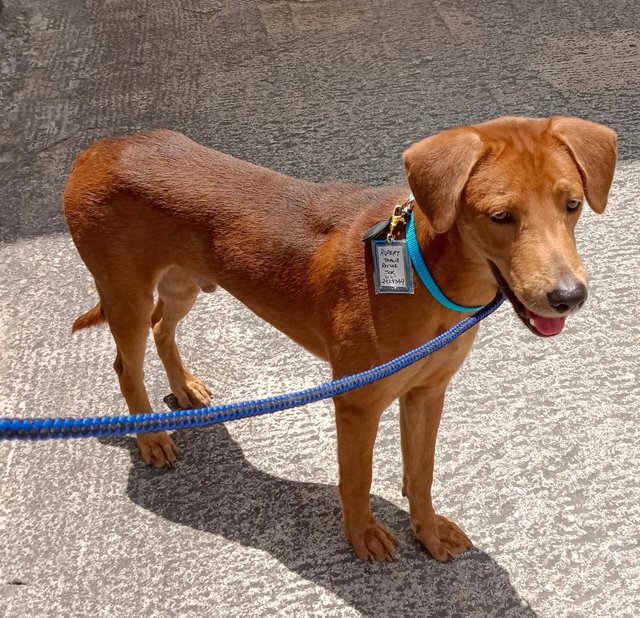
column 537, row 324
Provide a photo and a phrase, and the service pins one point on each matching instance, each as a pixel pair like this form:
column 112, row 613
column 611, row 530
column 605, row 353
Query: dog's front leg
column 420, row 412
column 357, row 428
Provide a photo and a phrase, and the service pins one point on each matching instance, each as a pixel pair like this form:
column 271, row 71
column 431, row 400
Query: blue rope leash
column 51, row 428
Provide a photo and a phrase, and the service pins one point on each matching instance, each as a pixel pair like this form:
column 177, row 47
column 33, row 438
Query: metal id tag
column 391, row 267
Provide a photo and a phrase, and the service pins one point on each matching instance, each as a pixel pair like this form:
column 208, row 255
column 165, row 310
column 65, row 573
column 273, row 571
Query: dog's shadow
column 215, row 489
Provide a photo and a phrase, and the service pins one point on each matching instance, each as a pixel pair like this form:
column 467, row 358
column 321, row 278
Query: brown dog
column 496, row 206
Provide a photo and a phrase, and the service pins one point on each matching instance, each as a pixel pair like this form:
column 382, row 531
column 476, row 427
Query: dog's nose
column 568, row 294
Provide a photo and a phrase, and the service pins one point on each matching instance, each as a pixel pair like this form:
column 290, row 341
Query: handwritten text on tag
column 392, row 269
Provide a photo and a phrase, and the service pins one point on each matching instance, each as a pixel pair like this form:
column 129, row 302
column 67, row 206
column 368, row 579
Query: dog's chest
column 443, row 364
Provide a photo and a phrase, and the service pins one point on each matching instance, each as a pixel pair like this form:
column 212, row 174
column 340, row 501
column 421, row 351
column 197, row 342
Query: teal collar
column 423, row 272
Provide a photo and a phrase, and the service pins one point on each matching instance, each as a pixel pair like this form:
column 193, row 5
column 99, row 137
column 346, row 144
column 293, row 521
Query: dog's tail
column 93, row 317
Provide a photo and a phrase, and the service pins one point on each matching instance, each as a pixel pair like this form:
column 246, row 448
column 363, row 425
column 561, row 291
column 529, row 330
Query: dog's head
column 514, row 189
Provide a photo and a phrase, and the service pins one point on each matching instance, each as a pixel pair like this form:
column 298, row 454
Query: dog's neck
column 462, row 275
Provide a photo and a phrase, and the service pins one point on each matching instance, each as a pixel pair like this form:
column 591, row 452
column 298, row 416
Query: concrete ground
column 538, row 452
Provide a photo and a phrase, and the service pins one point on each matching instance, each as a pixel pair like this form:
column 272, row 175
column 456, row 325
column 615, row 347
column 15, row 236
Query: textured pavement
column 538, row 456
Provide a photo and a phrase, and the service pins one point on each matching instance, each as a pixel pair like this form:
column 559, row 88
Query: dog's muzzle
column 568, row 296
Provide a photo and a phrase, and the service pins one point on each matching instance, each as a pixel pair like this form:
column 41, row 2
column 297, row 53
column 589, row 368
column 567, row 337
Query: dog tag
column 377, row 231
column 391, row 267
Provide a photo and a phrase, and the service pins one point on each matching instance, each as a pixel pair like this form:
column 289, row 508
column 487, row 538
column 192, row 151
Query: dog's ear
column 593, row 148
column 438, row 169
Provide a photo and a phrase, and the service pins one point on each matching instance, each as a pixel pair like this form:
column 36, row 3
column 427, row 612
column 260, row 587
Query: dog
column 495, row 206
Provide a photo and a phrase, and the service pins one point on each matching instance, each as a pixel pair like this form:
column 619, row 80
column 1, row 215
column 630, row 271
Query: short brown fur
column 156, row 211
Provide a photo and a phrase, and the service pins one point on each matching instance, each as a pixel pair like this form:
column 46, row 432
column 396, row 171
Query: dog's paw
column 373, row 542
column 443, row 539
column 194, row 393
column 158, row 449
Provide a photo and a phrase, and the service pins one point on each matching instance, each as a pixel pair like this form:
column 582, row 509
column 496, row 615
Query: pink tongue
column 546, row 326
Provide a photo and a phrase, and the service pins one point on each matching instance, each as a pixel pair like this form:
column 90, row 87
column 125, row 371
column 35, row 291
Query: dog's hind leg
column 176, row 294
column 128, row 313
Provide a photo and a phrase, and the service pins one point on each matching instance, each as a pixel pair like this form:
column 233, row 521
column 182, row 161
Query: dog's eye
column 501, row 217
column 573, row 205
